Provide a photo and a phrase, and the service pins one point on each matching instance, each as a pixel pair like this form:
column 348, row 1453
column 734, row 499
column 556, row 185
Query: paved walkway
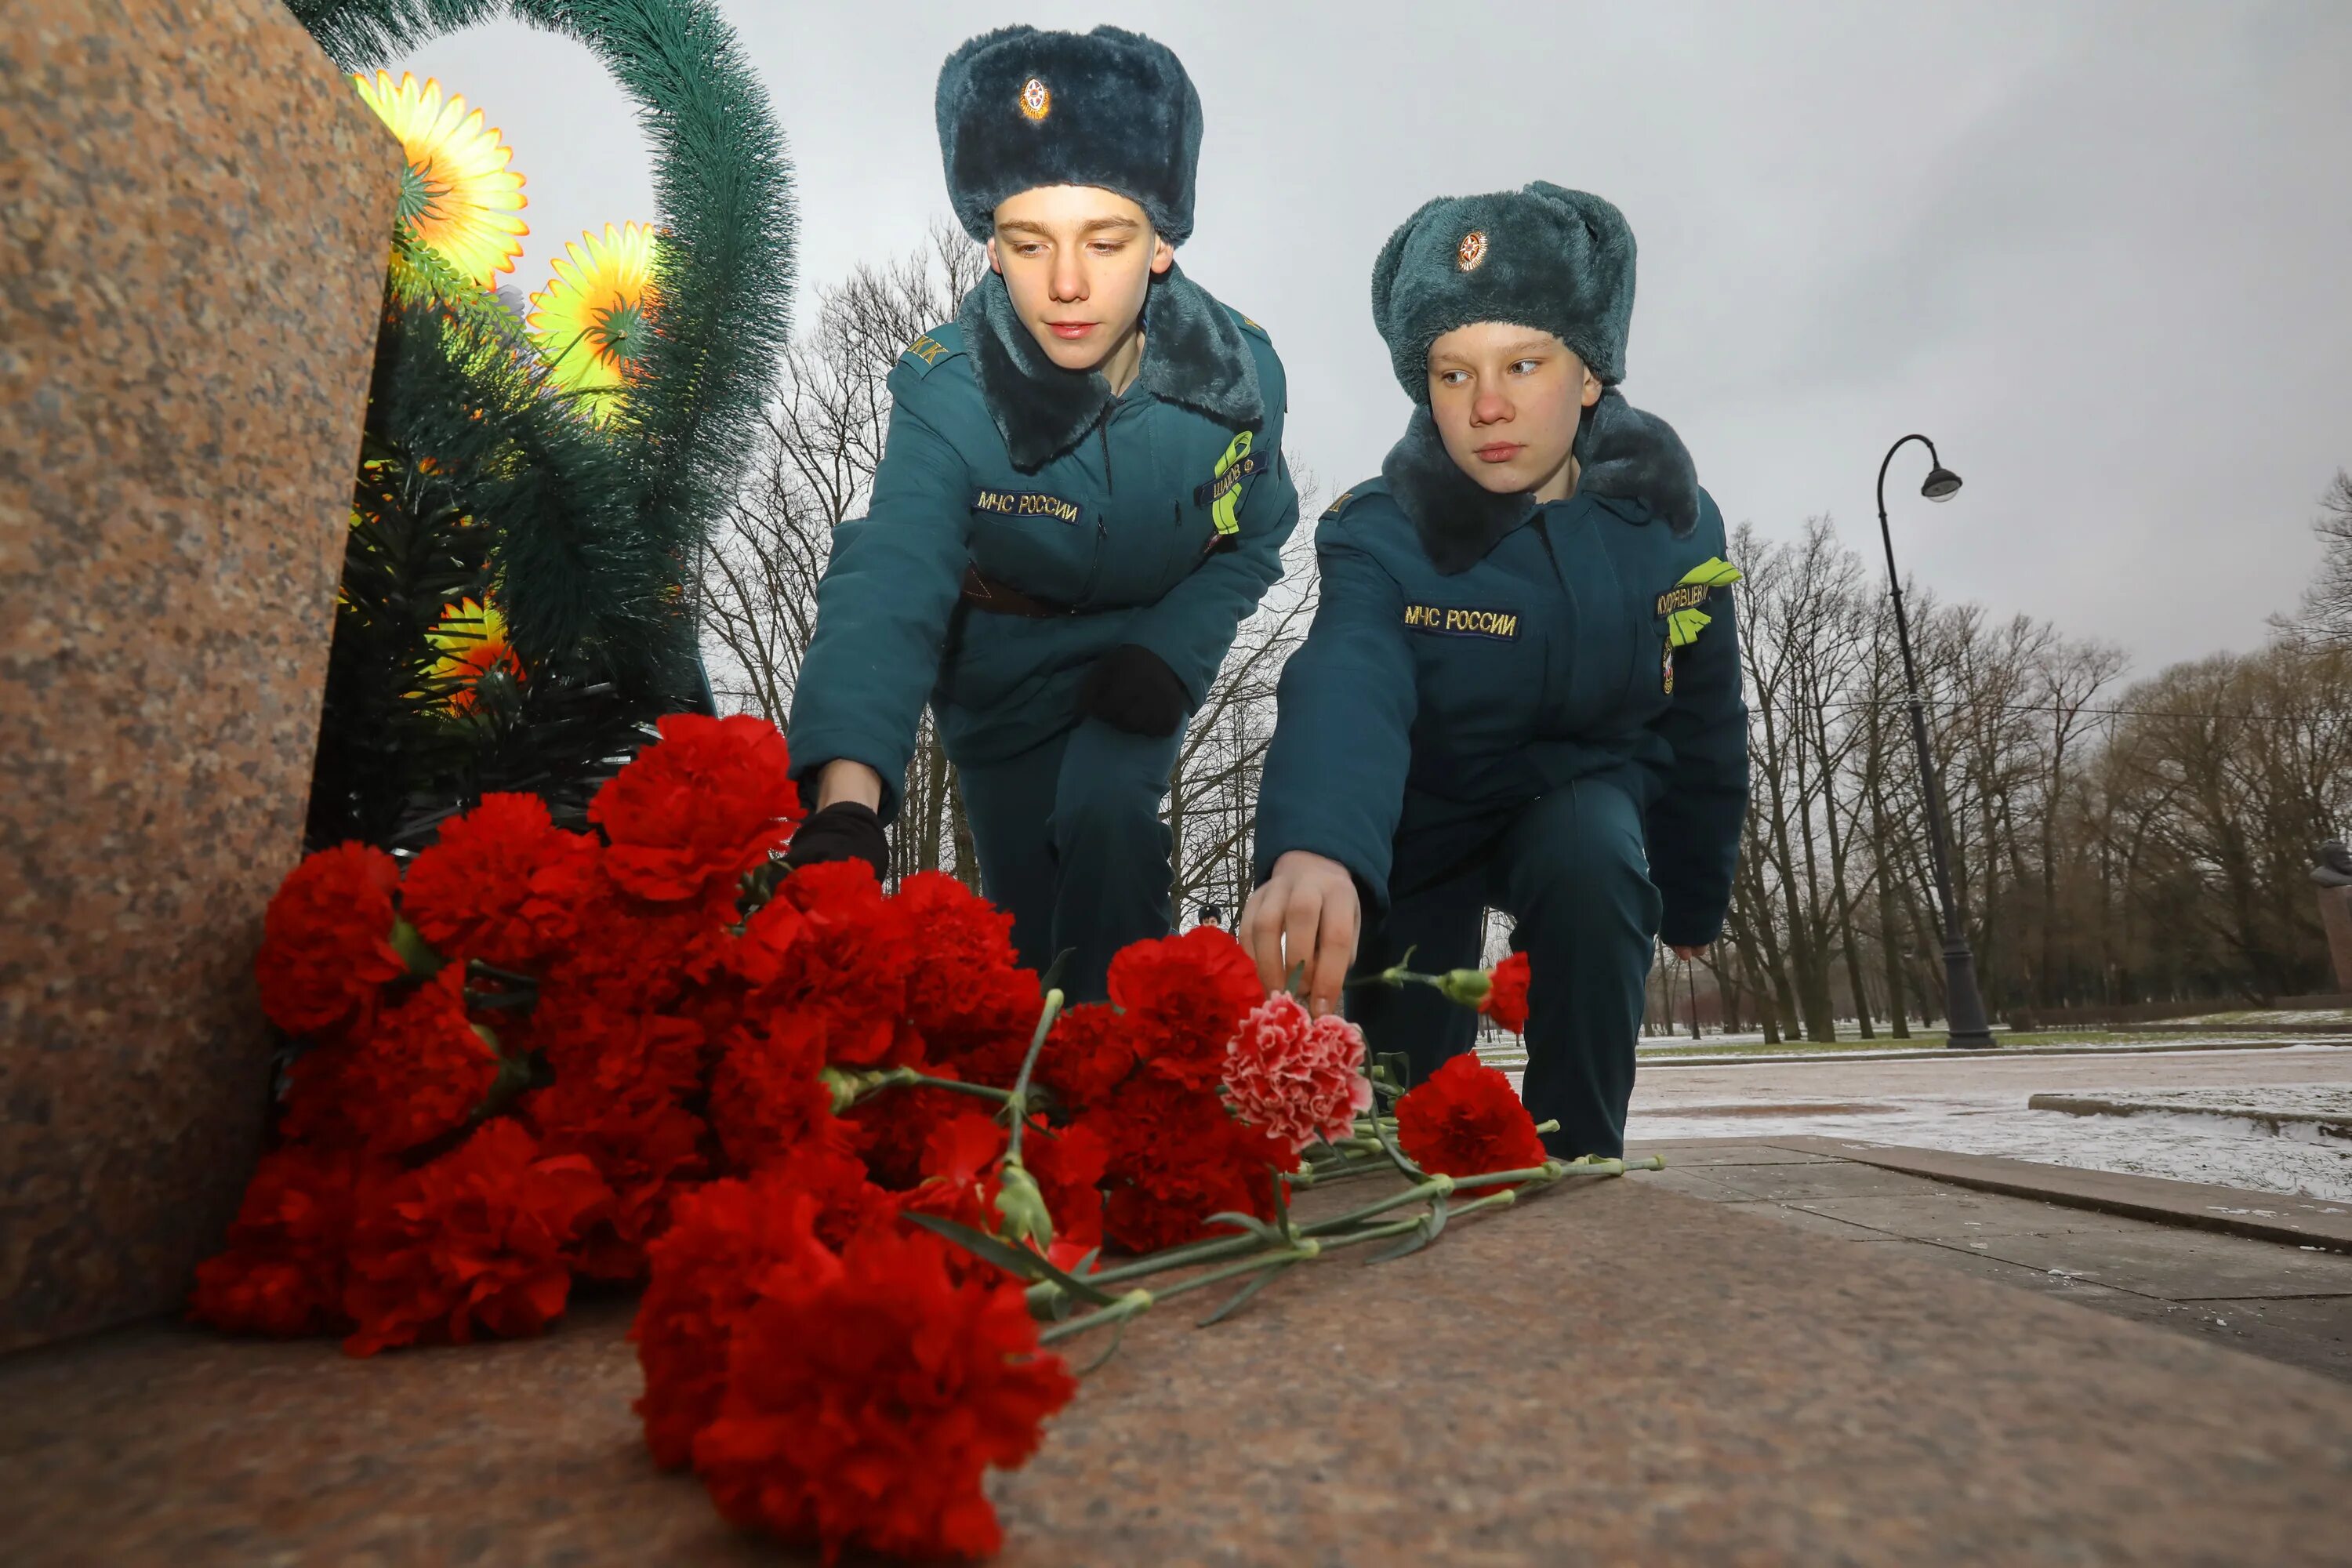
column 2284, row 1300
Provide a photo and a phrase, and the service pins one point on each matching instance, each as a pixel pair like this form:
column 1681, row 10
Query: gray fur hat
column 1556, row 260
column 1020, row 107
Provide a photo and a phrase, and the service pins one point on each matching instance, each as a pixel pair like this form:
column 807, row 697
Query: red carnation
column 604, row 1055
column 960, row 1171
column 644, row 1154
column 502, row 883
column 868, row 1396
column 476, row 1241
column 282, row 1270
column 705, row 1271
column 693, row 812
column 420, row 1070
column 1089, row 1053
column 758, row 957
column 893, row 1127
column 1297, row 1078
column 766, row 1098
column 968, row 998
column 1068, row 1164
column 1466, row 1119
column 1183, row 997
column 851, row 964
column 1506, row 994
column 1176, row 1156
column 637, row 954
column 325, row 941
column 848, row 1203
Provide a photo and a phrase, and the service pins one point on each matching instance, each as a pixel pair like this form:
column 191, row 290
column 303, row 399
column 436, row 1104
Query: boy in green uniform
column 1080, row 497
column 1521, row 689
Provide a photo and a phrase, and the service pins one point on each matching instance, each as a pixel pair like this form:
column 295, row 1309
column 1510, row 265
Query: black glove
column 845, row 830
column 1131, row 689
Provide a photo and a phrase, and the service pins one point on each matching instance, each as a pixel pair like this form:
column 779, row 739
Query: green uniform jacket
column 998, row 460
column 1544, row 655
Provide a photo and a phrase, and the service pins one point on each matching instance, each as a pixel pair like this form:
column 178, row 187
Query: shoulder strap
column 1348, row 497
column 933, row 349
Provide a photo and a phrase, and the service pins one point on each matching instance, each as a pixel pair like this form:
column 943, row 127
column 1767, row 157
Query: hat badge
column 1037, row 100
column 1471, row 253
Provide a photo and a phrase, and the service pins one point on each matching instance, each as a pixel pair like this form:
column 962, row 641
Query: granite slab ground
column 1616, row 1373
column 2263, row 1274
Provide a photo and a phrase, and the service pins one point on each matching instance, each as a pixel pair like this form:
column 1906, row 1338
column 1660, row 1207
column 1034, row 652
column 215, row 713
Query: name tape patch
column 1683, row 596
column 1025, row 503
column 1502, row 625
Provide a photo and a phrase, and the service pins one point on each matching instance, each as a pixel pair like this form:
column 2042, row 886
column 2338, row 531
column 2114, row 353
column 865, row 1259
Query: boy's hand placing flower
column 1307, row 912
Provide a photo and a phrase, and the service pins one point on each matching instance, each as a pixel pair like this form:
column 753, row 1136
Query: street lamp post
column 1963, row 1008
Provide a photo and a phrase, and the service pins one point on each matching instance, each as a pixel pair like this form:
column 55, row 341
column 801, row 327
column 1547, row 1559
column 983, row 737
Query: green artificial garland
column 476, row 471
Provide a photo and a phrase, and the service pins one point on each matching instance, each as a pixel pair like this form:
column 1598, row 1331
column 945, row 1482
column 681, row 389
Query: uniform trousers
column 1571, row 867
column 1071, row 844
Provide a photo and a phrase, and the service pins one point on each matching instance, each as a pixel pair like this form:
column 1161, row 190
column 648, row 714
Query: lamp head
column 1942, row 484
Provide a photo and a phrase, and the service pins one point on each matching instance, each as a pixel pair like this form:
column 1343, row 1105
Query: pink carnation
column 1296, row 1079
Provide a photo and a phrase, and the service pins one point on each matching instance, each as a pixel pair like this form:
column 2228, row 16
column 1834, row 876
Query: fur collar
column 1625, row 453
column 1193, row 354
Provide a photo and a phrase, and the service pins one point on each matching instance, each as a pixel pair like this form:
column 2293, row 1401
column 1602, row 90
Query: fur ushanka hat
column 1021, row 108
column 1544, row 257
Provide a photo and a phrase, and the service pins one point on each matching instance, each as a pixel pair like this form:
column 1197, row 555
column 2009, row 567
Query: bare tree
column 821, row 445
column 1213, row 792
column 2325, row 616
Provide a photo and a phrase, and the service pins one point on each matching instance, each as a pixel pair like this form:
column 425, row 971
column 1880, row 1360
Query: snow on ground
column 2274, row 1018
column 1976, row 1104
column 1509, row 1054
column 2228, row 1152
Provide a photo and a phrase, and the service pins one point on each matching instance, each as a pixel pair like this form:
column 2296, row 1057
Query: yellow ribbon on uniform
column 1225, row 512
column 1682, row 627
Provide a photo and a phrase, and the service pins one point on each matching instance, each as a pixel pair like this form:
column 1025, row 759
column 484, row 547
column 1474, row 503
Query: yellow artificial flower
column 472, row 641
column 457, row 192
column 591, row 320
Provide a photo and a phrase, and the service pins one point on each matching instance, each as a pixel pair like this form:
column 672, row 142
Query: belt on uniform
column 984, row 593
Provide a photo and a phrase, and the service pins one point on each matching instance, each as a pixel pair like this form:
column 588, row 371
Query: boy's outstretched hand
column 1306, row 912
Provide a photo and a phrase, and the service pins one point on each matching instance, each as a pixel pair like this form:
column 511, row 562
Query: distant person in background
column 1080, row 497
column 1521, row 689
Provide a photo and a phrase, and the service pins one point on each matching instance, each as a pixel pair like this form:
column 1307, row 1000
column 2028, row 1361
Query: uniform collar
column 1194, row 354
column 1627, row 455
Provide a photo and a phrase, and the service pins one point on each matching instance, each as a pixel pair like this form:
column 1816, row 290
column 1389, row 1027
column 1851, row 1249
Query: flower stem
column 1128, row 1306
column 1246, row 1265
column 908, row 1077
column 1019, row 1101
column 1177, row 1257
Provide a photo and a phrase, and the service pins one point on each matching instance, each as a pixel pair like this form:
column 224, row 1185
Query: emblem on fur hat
column 1109, row 108
column 1560, row 261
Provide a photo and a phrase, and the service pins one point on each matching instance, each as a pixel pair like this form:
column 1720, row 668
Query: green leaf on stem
column 1250, row 1223
column 1014, row 1260
column 423, row 962
column 1388, row 1146
column 1118, row 1333
column 1426, row 1229
column 1234, row 1302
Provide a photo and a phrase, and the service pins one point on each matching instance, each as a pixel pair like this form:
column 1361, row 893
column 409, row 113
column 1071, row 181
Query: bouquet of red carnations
column 855, row 1152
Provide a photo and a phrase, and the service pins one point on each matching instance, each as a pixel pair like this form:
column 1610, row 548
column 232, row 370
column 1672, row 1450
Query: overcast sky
column 2100, row 253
